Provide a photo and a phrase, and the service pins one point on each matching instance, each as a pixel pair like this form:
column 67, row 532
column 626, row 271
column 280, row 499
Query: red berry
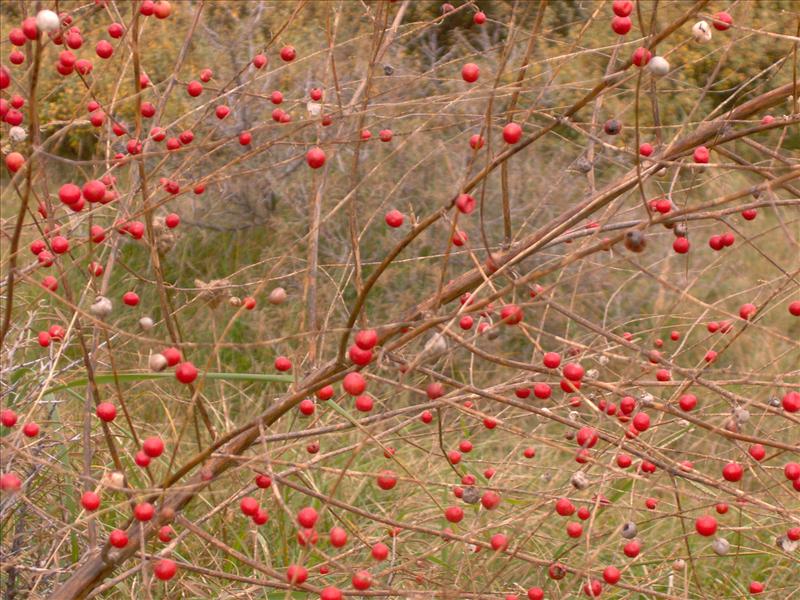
column 687, row 402
column 632, row 548
column 621, row 25
column 249, row 506
column 324, row 393
column 283, row 364
column 394, row 218
column 465, row 203
column 641, row 421
column 732, row 471
column 118, row 538
column 8, row 418
column 791, row 402
column 153, row 447
column 354, row 383
column 106, row 411
column 490, row 500
column 380, row 551
column 587, row 437
column 315, row 158
column 172, row 220
column 641, row 56
column 14, row 161
column 757, row 451
column 288, row 54
column 362, row 580
column 93, row 191
column 186, row 372
column 454, row 514
column 144, row 511
column 564, row 507
column 622, row 8
column 330, row 593
column 165, row 569
column 511, row 314
column 195, row 88
column 573, row 371
column 512, row 133
column 747, row 311
column 722, row 21
column 90, row 501
column 706, row 525
column 10, row 482
column 681, row 245
column 165, row 534
column 307, row 407
column 296, row 574
column 756, row 587
column 611, row 575
column 470, row 72
column 338, row 537
column 130, row 298
column 307, row 517
column 701, row 155
column 498, row 542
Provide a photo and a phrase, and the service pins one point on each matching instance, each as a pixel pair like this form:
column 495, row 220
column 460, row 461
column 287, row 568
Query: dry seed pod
column 721, row 546
column 612, row 127
column 436, row 344
column 114, row 479
column 658, row 66
column 583, row 165
column 277, row 296
column 214, row 292
column 701, row 32
column 471, row 495
column 635, row 241
column 17, row 134
column 157, row 362
column 742, row 415
column 787, row 545
column 101, row 308
column 629, row 530
column 235, row 301
column 579, row 480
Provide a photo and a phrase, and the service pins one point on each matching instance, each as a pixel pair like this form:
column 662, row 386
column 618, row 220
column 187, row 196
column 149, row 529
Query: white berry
column 701, row 32
column 658, row 66
column 47, row 21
